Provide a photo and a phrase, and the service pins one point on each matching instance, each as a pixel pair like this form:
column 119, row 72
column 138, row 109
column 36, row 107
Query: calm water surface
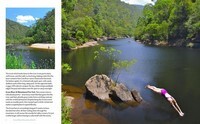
column 176, row 69
column 44, row 59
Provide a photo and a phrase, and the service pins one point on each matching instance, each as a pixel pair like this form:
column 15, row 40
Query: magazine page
column 122, row 62
column 30, row 64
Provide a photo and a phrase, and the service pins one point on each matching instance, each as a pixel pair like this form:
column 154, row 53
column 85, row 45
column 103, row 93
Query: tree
column 44, row 29
column 113, row 55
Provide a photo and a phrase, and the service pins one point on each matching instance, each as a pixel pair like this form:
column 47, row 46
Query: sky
column 138, row 2
column 26, row 16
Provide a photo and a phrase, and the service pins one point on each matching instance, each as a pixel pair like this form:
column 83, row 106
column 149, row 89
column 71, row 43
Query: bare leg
column 176, row 104
column 177, row 108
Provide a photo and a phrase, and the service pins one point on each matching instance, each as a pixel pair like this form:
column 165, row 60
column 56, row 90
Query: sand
column 87, row 44
column 45, row 46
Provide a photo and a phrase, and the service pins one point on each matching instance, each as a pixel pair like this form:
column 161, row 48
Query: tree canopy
column 169, row 21
column 88, row 19
column 44, row 29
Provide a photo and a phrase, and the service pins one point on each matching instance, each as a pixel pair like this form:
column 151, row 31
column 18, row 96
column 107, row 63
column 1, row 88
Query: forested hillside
column 43, row 31
column 88, row 19
column 15, row 31
column 171, row 21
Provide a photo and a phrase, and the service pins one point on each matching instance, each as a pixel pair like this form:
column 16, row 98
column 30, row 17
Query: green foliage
column 193, row 23
column 17, row 62
column 80, row 36
column 27, row 40
column 66, row 68
column 15, row 31
column 44, row 29
column 32, row 66
column 125, row 64
column 113, row 55
column 65, row 111
column 90, row 19
column 68, row 44
column 169, row 20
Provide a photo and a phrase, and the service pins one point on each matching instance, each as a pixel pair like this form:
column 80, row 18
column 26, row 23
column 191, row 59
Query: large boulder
column 99, row 86
column 105, row 89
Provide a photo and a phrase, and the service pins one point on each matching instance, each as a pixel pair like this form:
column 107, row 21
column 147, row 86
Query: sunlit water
column 43, row 59
column 176, row 69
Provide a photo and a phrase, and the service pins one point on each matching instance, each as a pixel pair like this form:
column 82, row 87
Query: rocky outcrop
column 105, row 89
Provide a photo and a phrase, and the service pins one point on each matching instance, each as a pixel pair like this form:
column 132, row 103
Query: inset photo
column 30, row 38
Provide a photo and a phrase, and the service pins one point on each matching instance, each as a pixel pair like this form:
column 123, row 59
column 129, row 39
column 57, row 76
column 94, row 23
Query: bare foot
column 181, row 114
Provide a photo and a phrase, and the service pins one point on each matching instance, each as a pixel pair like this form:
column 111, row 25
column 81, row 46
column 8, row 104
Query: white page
column 55, row 106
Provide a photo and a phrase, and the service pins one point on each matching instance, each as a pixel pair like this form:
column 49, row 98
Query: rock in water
column 99, row 86
column 136, row 95
column 105, row 89
column 121, row 91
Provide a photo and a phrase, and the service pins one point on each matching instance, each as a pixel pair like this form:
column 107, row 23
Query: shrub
column 17, row 62
column 28, row 40
column 65, row 111
column 66, row 68
column 68, row 44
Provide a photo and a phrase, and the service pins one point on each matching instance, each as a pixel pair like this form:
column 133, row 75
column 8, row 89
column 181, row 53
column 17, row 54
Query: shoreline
column 87, row 44
column 44, row 46
column 179, row 43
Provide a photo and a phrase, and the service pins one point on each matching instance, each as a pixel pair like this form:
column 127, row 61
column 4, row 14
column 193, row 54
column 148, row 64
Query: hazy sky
column 138, row 2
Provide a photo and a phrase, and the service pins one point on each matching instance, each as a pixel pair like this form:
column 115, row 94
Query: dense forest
column 170, row 21
column 83, row 20
column 43, row 31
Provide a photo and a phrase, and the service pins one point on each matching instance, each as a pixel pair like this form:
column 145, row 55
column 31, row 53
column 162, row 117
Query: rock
column 121, row 91
column 105, row 89
column 99, row 86
column 136, row 95
column 68, row 101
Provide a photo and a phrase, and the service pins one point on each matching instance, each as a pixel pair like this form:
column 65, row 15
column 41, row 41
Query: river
column 175, row 69
column 43, row 59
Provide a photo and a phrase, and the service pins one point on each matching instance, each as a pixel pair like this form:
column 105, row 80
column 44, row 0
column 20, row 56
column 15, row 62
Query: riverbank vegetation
column 83, row 20
column 65, row 111
column 17, row 62
column 173, row 22
column 66, row 68
column 43, row 31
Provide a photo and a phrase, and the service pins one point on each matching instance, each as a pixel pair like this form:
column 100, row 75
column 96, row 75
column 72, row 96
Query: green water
column 176, row 69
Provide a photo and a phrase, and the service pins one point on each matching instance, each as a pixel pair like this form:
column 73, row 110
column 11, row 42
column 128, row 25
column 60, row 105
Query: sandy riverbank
column 87, row 44
column 45, row 46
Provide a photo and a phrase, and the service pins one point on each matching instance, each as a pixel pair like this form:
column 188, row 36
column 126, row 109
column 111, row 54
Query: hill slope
column 88, row 19
column 15, row 31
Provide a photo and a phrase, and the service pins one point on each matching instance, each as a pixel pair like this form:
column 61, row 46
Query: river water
column 175, row 69
column 43, row 59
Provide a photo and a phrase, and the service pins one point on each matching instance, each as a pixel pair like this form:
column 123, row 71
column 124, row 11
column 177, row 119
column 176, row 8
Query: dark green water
column 176, row 69
column 43, row 59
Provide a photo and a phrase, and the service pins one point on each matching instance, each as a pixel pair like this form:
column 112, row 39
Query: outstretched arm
column 153, row 88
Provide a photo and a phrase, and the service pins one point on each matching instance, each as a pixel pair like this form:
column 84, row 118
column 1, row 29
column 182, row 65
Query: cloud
column 138, row 2
column 37, row 18
column 26, row 18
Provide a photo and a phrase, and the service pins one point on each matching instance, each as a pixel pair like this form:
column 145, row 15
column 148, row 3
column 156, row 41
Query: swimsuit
column 163, row 92
column 166, row 94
